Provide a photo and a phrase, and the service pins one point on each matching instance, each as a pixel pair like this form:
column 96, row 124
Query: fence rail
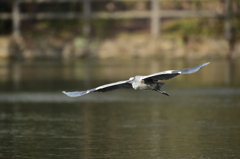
column 62, row 1
column 116, row 15
column 155, row 14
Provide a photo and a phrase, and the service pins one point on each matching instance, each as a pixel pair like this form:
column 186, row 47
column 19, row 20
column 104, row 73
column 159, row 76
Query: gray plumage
column 149, row 82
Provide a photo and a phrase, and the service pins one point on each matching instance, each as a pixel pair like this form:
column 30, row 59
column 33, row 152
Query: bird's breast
column 140, row 86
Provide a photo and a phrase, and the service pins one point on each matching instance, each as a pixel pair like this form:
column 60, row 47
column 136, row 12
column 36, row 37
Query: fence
column 155, row 14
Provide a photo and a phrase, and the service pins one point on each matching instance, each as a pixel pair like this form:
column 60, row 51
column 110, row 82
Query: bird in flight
column 149, row 82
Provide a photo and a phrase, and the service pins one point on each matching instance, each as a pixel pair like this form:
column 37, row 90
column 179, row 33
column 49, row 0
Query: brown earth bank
column 121, row 46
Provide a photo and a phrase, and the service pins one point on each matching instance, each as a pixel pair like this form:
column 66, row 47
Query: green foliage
column 236, row 26
column 69, row 29
column 65, row 29
column 103, row 28
column 193, row 27
column 79, row 42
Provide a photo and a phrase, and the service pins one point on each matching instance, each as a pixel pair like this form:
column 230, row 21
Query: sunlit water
column 200, row 119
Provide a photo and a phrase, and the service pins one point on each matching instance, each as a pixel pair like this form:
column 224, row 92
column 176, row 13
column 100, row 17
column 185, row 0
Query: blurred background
column 69, row 29
column 47, row 46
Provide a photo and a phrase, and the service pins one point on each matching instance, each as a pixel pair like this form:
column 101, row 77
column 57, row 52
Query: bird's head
column 131, row 79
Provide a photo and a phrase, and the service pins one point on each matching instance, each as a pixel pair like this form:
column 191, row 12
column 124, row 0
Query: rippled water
column 201, row 118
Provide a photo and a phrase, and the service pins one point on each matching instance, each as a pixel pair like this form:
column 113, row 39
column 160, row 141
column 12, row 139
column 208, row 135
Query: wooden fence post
column 86, row 17
column 228, row 30
column 228, row 27
column 16, row 19
column 155, row 19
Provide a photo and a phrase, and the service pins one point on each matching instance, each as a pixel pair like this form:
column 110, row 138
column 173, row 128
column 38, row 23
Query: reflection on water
column 201, row 118
column 50, row 76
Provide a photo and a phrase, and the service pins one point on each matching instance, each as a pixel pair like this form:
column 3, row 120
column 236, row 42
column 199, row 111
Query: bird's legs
column 163, row 92
column 158, row 88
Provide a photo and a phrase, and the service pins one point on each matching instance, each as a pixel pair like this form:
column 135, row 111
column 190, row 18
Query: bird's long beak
column 131, row 80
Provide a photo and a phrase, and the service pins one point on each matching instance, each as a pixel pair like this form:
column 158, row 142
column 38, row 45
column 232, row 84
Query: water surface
column 201, row 118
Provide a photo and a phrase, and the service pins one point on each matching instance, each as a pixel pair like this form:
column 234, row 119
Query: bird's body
column 141, row 85
column 148, row 85
column 149, row 82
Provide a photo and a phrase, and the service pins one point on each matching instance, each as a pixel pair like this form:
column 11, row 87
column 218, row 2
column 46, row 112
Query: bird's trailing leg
column 159, row 86
column 163, row 92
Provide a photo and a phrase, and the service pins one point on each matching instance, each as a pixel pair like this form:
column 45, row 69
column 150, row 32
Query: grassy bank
column 180, row 38
column 138, row 45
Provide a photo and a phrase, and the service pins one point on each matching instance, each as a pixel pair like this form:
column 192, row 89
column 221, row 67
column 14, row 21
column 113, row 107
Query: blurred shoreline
column 123, row 46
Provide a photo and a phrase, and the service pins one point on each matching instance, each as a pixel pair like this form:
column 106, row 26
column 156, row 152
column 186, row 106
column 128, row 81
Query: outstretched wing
column 113, row 86
column 172, row 73
column 103, row 88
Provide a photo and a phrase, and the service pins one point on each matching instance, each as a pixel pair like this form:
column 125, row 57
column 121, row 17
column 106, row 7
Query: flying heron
column 149, row 82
